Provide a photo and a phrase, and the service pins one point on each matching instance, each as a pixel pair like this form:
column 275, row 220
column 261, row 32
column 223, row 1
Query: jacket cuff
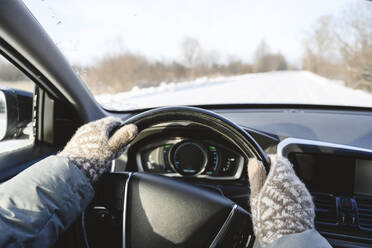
column 307, row 239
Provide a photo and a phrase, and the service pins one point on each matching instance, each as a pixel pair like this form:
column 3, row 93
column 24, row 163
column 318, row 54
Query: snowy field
column 295, row 87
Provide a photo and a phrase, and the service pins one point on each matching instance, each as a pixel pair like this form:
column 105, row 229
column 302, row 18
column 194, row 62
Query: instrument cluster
column 190, row 158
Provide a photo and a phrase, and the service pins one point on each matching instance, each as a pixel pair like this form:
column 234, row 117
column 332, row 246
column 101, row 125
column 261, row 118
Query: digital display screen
column 338, row 175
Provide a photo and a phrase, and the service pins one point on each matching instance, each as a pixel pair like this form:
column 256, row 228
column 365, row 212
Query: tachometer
column 213, row 158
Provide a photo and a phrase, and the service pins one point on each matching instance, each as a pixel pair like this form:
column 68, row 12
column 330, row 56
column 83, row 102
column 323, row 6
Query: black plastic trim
column 258, row 106
column 12, row 163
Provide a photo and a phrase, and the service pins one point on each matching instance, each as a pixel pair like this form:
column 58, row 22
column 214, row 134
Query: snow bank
column 294, row 87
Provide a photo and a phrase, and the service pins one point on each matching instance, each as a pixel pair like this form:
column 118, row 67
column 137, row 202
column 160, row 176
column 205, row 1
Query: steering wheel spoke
column 145, row 210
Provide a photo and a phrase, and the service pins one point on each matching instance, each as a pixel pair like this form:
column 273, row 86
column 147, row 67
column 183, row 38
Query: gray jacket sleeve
column 41, row 202
column 307, row 239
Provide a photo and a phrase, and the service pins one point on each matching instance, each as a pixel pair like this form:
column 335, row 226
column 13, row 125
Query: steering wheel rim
column 230, row 130
column 143, row 201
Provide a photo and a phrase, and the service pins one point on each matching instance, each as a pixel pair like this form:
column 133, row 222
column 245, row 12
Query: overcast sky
column 86, row 30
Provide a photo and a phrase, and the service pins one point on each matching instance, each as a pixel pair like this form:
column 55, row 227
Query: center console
column 340, row 181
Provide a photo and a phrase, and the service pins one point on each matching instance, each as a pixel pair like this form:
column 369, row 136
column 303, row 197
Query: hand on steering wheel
column 95, row 145
column 280, row 202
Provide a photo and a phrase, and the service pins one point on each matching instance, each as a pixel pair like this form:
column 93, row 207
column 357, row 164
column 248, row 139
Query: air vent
column 365, row 211
column 325, row 209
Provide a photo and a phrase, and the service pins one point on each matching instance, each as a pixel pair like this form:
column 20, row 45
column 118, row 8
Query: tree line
column 123, row 71
column 340, row 47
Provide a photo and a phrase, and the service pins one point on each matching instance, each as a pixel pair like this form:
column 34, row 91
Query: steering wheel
column 134, row 209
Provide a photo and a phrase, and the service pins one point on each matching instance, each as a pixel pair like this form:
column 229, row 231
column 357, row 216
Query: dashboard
column 338, row 176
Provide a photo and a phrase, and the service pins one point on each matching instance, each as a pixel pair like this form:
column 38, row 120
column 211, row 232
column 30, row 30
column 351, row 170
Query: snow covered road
column 297, row 87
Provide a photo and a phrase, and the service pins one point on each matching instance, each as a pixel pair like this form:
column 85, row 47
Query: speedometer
column 189, row 158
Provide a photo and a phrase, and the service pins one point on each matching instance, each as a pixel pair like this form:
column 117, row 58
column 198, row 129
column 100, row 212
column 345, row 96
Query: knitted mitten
column 94, row 145
column 280, row 203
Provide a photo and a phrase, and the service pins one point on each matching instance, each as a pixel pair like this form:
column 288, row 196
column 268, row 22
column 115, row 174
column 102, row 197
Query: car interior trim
column 283, row 145
column 113, row 166
column 84, row 230
column 342, row 237
column 125, row 209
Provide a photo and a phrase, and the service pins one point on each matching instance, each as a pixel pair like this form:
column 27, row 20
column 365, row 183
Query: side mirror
column 15, row 112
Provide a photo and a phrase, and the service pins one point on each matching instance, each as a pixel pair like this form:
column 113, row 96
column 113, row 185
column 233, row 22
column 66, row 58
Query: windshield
column 142, row 54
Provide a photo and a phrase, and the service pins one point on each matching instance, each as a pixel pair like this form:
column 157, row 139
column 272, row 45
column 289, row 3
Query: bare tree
column 261, row 50
column 271, row 62
column 265, row 60
column 341, row 47
column 191, row 50
column 320, row 55
column 354, row 40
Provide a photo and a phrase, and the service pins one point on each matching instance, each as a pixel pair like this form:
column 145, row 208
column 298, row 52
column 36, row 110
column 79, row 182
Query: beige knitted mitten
column 280, row 203
column 93, row 146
